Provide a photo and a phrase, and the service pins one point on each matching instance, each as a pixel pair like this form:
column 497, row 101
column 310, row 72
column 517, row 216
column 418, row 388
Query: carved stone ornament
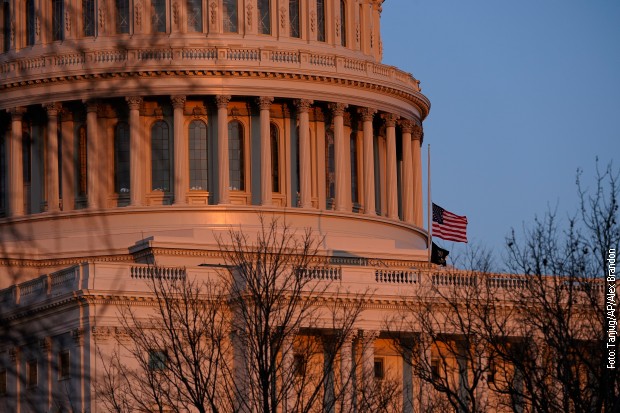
column 178, row 101
column 52, row 108
column 134, row 102
column 357, row 33
column 368, row 336
column 264, row 102
column 45, row 343
column 213, row 12
column 37, row 26
column 312, row 21
column 337, row 28
column 417, row 132
column 222, row 101
column 249, row 14
column 78, row 336
column 13, row 33
column 14, row 353
column 175, row 13
column 92, row 106
column 102, row 14
column 406, row 125
column 337, row 108
column 390, row 119
column 283, row 17
column 68, row 21
column 138, row 13
column 367, row 114
column 303, row 105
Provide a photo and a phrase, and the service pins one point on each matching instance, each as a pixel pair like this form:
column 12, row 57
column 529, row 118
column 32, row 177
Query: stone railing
column 17, row 67
column 48, row 285
column 156, row 272
column 323, row 273
column 397, row 276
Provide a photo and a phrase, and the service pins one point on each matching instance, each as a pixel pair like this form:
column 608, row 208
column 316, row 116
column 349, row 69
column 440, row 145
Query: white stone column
column 136, row 166
column 418, row 208
column 266, row 187
column 482, row 389
column 342, row 170
column 45, row 344
column 181, row 158
column 408, row 185
column 390, row 166
column 51, row 170
column 305, row 182
column 346, row 372
column 222, row 149
column 288, row 372
column 423, row 390
column 67, row 171
column 369, row 160
column 93, row 156
column 15, row 164
column 368, row 360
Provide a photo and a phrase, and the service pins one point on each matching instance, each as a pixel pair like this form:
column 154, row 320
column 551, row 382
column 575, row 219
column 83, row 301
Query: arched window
column 88, row 17
column 121, row 158
column 275, row 158
column 231, row 21
column 194, row 15
column 343, row 23
column 293, row 18
column 82, row 161
column 158, row 16
column 198, row 151
column 160, row 157
column 320, row 20
column 30, row 22
column 330, row 166
column 353, row 151
column 58, row 19
column 236, row 156
column 122, row 16
column 264, row 16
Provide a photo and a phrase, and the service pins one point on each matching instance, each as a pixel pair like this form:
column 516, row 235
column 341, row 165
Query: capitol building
column 136, row 134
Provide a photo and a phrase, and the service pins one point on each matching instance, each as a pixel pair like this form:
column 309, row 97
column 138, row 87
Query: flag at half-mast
column 449, row 226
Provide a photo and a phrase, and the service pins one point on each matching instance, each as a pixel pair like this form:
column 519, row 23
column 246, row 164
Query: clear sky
column 522, row 94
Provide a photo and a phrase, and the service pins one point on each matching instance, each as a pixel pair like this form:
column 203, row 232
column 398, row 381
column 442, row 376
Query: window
column 235, row 156
column 88, row 17
column 379, row 369
column 3, row 174
column 275, row 159
column 6, row 26
column 299, row 365
column 330, row 165
column 64, row 365
column 435, row 369
column 30, row 16
column 122, row 16
column 343, row 23
column 160, row 157
column 353, row 152
column 58, row 19
column 264, row 16
column 3, row 386
column 32, row 373
column 194, row 15
column 198, row 151
column 158, row 360
column 320, row 20
column 293, row 18
column 121, row 158
column 158, row 16
column 230, row 16
column 82, row 161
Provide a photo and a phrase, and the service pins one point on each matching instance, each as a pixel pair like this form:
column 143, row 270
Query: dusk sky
column 522, row 94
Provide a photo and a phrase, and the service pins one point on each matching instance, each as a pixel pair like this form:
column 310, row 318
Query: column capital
column 52, row 108
column 406, row 125
column 337, row 108
column 45, row 343
column 78, row 336
column 264, row 102
column 368, row 335
column 222, row 101
column 178, row 101
column 17, row 112
column 303, row 105
column 390, row 119
column 417, row 133
column 367, row 113
column 91, row 105
column 134, row 102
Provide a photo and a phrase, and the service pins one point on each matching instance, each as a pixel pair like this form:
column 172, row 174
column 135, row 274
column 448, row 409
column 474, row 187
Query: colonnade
column 373, row 124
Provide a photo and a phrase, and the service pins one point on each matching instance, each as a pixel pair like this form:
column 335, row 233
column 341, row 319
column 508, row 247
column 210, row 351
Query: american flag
column 449, row 226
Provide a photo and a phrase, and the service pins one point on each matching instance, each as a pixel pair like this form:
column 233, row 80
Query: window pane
column 160, row 157
column 293, row 16
column 343, row 23
column 82, row 161
column 198, row 155
column 230, row 16
column 88, row 17
column 320, row 20
column 194, row 15
column 58, row 19
column 30, row 22
column 32, row 373
column 158, row 17
column 64, row 365
column 330, row 163
column 354, row 197
column 6, row 26
column 264, row 17
column 122, row 16
column 275, row 159
column 158, row 360
column 235, row 156
column 121, row 158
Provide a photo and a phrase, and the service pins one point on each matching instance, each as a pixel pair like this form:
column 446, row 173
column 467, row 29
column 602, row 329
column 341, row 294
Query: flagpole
column 429, row 206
